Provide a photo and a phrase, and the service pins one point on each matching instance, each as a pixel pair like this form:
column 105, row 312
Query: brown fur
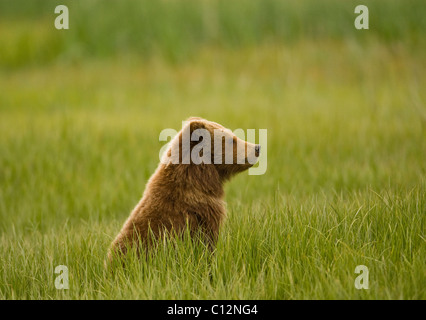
column 180, row 196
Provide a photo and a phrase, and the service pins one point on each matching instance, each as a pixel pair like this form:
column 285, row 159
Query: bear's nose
column 257, row 149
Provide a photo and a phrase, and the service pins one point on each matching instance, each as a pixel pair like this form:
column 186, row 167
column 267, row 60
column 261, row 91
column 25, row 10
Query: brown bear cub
column 186, row 190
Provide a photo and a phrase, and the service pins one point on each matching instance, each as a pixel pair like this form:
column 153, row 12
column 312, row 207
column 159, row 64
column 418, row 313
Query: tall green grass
column 285, row 249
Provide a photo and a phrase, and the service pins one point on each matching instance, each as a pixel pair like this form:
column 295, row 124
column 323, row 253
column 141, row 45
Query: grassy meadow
column 81, row 111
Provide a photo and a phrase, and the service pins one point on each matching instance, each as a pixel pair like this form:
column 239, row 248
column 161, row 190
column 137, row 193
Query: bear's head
column 208, row 144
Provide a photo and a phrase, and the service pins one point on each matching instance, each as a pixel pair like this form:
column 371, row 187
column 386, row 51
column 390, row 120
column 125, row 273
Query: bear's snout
column 257, row 150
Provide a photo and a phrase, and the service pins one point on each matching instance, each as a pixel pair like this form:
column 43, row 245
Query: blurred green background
column 81, row 111
column 176, row 30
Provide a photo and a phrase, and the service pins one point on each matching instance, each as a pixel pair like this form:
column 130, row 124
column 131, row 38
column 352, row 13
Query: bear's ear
column 196, row 123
